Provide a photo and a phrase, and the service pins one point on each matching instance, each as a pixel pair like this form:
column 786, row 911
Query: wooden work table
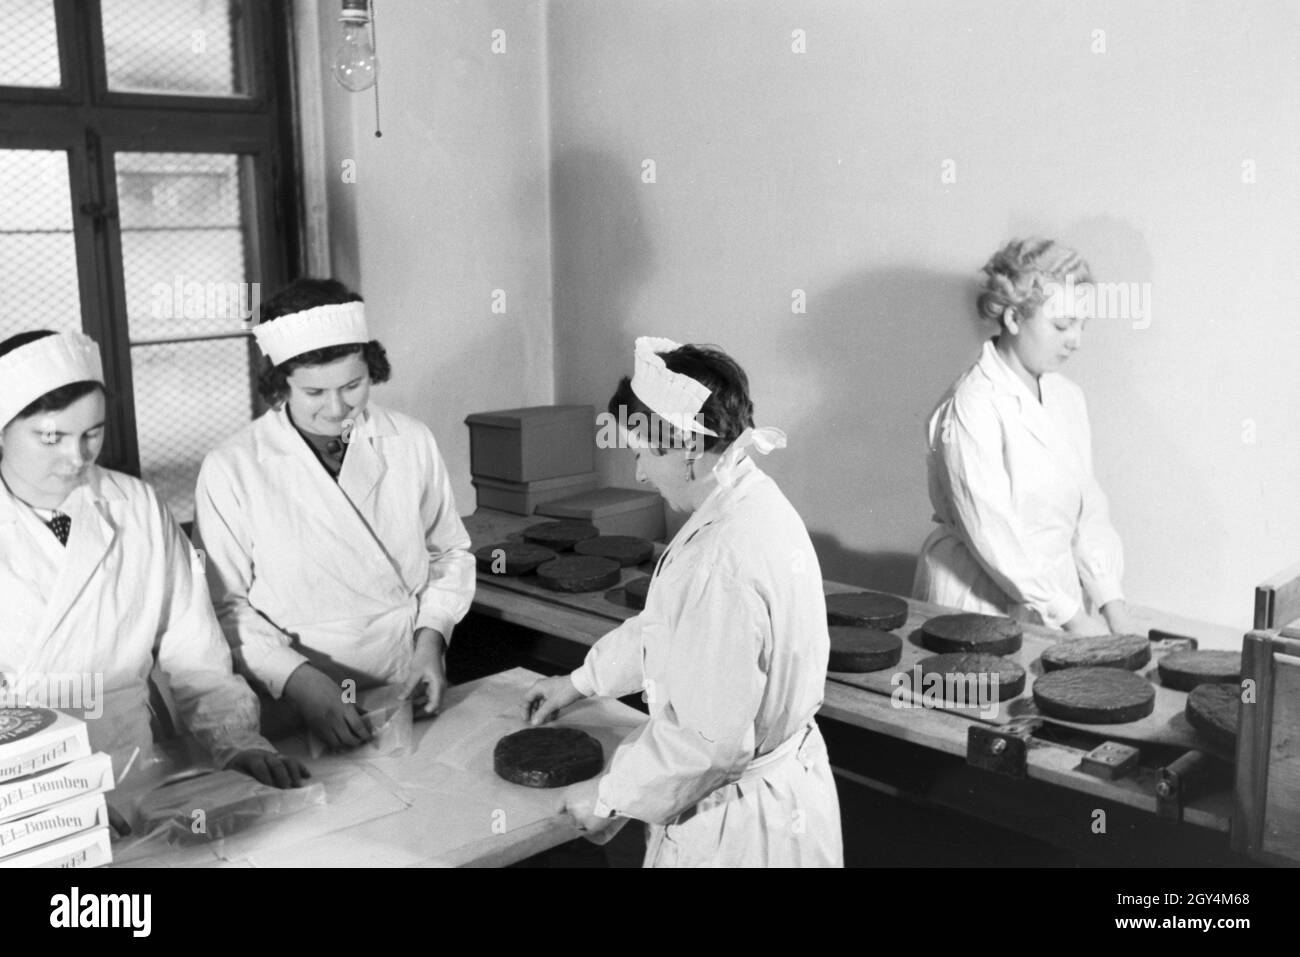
column 433, row 802
column 933, row 736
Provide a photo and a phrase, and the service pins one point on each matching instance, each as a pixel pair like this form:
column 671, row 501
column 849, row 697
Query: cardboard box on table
column 53, row 823
column 91, row 848
column 36, row 739
column 532, row 444
column 28, row 795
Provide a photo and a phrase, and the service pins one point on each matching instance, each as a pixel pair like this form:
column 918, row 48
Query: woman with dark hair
column 1023, row 526
column 96, row 578
column 336, row 558
column 731, row 649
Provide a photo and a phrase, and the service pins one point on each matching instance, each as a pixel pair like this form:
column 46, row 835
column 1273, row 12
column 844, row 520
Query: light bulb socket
column 355, row 11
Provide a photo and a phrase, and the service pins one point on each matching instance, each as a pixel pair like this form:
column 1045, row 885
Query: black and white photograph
column 575, row 435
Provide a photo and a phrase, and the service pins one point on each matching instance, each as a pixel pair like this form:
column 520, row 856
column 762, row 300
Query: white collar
column 1004, row 377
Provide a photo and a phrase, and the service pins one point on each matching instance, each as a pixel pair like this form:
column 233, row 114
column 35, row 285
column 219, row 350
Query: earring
column 690, row 469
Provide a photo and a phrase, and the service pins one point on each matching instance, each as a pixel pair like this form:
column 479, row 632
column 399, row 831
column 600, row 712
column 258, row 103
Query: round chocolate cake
column 560, row 536
column 987, row 634
column 866, row 609
column 863, row 649
column 1212, row 709
column 624, row 549
column 576, row 573
column 636, row 591
column 1094, row 695
column 1011, row 677
column 1184, row 670
column 512, row 558
column 548, row 757
column 1102, row 651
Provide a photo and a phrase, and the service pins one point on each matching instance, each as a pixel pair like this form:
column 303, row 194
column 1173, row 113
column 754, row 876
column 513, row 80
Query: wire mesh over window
column 38, row 257
column 183, row 249
column 184, row 47
column 29, row 47
column 189, row 397
column 188, row 309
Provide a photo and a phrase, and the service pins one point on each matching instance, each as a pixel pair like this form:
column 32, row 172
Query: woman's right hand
column 546, row 697
column 319, row 700
column 1083, row 625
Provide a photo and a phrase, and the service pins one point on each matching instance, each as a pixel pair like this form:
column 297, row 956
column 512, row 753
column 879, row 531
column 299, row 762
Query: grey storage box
column 532, row 444
column 523, row 498
column 615, row 511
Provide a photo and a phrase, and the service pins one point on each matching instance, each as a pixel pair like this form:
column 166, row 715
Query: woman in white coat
column 731, row 649
column 335, row 553
column 1023, row 527
column 97, row 581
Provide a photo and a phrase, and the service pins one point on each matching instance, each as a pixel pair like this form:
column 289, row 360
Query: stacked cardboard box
column 52, row 807
column 520, row 458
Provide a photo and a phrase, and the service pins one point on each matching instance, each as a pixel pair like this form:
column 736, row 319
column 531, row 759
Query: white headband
column 675, row 398
column 338, row 324
column 42, row 366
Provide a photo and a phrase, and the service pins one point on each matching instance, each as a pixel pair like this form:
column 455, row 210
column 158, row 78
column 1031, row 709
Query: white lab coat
column 730, row 653
column 1024, row 529
column 339, row 574
column 127, row 588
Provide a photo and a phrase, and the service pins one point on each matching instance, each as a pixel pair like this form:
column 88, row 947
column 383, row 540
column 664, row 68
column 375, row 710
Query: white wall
column 822, row 171
column 449, row 205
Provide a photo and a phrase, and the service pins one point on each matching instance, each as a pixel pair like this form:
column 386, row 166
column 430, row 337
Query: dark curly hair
column 728, row 410
column 56, row 400
column 298, row 296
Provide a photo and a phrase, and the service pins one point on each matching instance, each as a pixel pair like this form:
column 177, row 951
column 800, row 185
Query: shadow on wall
column 874, row 354
column 601, row 256
column 880, row 571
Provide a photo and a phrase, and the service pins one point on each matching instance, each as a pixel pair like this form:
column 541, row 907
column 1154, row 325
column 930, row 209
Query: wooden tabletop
column 438, row 805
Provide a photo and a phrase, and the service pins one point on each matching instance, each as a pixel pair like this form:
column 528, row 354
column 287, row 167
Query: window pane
column 172, row 46
column 183, row 253
column 38, row 257
column 29, row 47
column 189, row 397
column 183, row 263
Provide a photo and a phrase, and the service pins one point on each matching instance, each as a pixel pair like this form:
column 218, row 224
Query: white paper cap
column 42, row 366
column 675, row 398
column 338, row 324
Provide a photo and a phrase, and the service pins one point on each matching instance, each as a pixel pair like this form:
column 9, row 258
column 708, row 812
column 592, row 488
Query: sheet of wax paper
column 448, row 781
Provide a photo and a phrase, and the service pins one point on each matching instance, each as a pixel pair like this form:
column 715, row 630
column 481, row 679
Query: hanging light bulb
column 355, row 66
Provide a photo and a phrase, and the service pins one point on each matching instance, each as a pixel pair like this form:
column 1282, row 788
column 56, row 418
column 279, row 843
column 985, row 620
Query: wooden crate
column 1277, row 601
column 1266, row 817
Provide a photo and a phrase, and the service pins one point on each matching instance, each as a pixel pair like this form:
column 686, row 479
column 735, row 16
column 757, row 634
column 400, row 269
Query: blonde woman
column 1023, row 527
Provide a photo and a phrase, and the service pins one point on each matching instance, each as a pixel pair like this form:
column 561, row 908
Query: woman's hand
column 1119, row 618
column 320, row 701
column 270, row 768
column 1083, row 625
column 546, row 697
column 428, row 668
column 580, row 803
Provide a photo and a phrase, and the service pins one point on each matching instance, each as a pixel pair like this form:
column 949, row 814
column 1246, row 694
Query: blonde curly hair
column 1020, row 273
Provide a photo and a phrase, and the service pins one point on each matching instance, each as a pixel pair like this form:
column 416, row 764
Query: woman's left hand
column 428, row 667
column 580, row 803
column 270, row 768
column 1118, row 618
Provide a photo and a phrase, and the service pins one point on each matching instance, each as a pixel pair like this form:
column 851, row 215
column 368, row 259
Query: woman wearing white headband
column 731, row 649
column 97, row 579
column 335, row 553
column 1023, row 526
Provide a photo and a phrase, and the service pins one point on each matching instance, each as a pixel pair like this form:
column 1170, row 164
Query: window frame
column 92, row 123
